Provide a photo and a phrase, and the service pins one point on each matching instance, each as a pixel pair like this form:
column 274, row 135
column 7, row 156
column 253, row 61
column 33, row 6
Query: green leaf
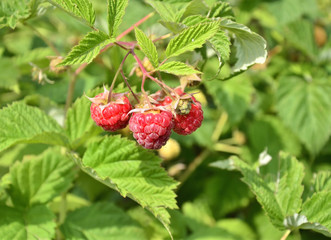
column 37, row 222
column 318, row 212
column 235, row 194
column 12, row 11
column 268, row 132
column 104, row 221
column 280, row 197
column 195, row 7
column 33, row 55
column 288, row 187
column 305, row 107
column 231, row 225
column 234, row 96
column 198, row 215
column 132, row 171
column 195, row 19
column 301, row 35
column 148, row 47
column 191, row 38
column 264, row 194
column 81, row 9
column 166, row 10
column 220, row 42
column 9, row 74
column 38, row 180
column 31, row 126
column 212, row 233
column 88, row 48
column 79, row 124
column 251, row 47
column 177, row 68
column 116, row 11
column 221, row 10
column 287, row 11
column 322, row 181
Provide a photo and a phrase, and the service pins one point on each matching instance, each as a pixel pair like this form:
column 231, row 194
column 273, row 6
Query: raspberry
column 188, row 123
column 112, row 116
column 151, row 129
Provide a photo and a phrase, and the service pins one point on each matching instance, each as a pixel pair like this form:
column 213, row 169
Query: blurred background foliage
column 283, row 104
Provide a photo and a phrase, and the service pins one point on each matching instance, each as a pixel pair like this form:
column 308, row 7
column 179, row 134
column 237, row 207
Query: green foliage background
column 283, row 105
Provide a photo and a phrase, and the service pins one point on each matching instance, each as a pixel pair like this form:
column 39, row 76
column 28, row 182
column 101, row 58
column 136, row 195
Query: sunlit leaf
column 88, row 48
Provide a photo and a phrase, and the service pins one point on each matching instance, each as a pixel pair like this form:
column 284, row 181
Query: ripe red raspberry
column 112, row 116
column 188, row 123
column 151, row 129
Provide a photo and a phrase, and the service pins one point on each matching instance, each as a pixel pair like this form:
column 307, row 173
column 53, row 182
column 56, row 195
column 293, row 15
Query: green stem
column 193, row 165
column 219, row 127
column 71, row 90
column 48, row 43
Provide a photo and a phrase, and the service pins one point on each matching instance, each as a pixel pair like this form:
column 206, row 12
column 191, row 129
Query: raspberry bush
column 170, row 119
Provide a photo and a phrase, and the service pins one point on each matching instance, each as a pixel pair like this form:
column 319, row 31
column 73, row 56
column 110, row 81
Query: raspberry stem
column 115, row 77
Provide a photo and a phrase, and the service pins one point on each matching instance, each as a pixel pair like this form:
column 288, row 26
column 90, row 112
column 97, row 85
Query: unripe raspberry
column 110, row 116
column 151, row 129
column 170, row 151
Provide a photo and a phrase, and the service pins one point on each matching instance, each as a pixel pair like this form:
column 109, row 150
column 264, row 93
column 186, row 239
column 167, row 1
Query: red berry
column 151, row 129
column 188, row 123
column 112, row 116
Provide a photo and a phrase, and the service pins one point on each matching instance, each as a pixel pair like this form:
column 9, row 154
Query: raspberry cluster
column 151, row 123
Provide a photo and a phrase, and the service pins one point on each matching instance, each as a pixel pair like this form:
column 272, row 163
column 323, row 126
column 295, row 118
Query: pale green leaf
column 322, row 181
column 220, row 42
column 195, row 7
column 134, row 172
column 104, row 221
column 79, row 124
column 37, row 222
column 234, row 96
column 221, row 10
column 22, row 123
column 81, row 9
column 38, row 180
column 88, row 48
column 177, row 68
column 251, row 47
column 305, row 107
column 148, row 47
column 191, row 38
column 116, row 11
